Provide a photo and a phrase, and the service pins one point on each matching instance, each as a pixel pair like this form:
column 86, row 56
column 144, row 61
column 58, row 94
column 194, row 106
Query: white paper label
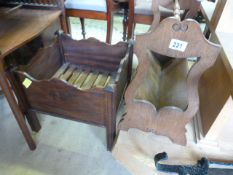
column 179, row 45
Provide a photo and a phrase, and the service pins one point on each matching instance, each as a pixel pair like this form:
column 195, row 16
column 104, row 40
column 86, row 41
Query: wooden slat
column 78, row 83
column 61, row 70
column 101, row 80
column 68, row 73
column 82, row 79
column 74, row 76
column 88, row 83
column 107, row 81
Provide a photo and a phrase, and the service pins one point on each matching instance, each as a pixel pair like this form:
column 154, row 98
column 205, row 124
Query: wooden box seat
column 79, row 80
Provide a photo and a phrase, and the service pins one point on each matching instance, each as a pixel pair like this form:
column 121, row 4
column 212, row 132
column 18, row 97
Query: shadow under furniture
column 77, row 80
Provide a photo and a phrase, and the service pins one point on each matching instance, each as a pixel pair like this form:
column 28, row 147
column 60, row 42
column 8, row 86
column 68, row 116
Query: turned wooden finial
column 177, row 9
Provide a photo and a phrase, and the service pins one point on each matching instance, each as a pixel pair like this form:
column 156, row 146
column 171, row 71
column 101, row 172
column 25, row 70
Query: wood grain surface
column 23, row 25
column 78, row 80
column 168, row 120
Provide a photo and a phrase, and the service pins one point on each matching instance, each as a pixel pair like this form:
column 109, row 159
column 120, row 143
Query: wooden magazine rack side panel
column 100, row 56
column 62, row 99
column 48, row 59
column 168, row 121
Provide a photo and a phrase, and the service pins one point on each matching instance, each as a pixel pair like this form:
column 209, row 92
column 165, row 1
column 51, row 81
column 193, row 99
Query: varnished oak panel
column 168, row 120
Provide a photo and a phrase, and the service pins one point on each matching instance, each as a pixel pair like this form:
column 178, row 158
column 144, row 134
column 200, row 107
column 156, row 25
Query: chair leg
column 125, row 23
column 133, row 32
column 109, row 28
column 131, row 19
column 82, row 21
column 64, row 23
column 16, row 111
column 67, row 25
column 130, row 63
column 23, row 103
column 130, row 29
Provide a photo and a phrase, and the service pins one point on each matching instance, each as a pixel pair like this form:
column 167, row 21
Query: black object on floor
column 201, row 168
column 217, row 171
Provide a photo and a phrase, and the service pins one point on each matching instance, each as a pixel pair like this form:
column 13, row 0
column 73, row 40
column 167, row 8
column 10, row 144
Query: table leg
column 15, row 109
column 23, row 103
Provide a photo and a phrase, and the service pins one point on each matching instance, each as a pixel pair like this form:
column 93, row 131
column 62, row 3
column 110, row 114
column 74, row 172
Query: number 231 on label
column 179, row 45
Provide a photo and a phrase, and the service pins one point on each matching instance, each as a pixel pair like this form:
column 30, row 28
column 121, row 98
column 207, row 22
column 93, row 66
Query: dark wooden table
column 18, row 28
